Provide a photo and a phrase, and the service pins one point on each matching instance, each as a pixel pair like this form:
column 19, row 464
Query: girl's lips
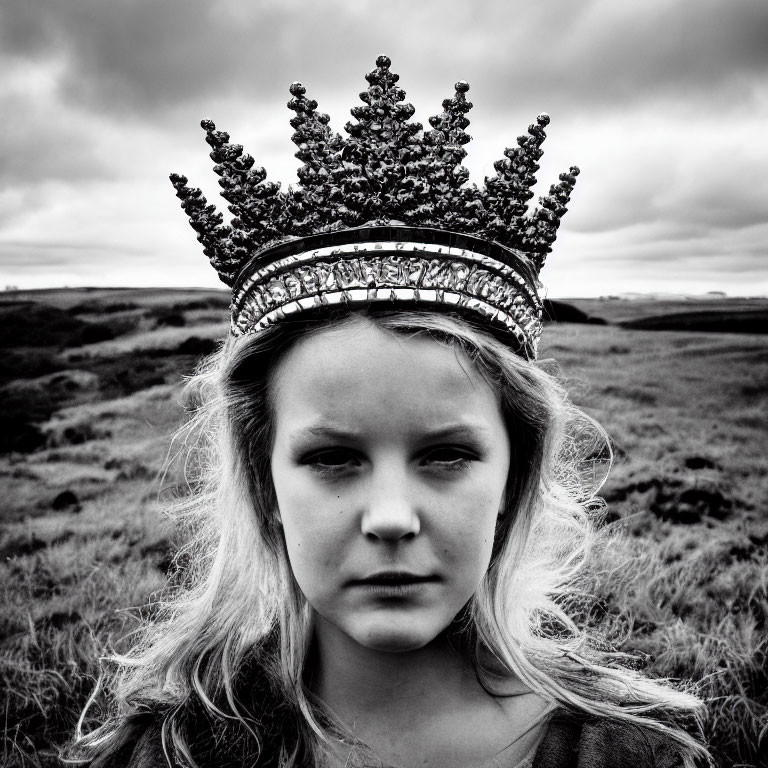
column 391, row 587
column 392, row 579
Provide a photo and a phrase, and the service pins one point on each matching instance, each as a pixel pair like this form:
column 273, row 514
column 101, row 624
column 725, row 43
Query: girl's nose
column 390, row 512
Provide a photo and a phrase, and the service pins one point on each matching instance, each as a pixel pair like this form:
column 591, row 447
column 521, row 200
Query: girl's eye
column 331, row 460
column 449, row 458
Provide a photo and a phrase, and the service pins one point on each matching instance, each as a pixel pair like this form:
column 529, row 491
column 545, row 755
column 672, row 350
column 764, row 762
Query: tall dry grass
column 687, row 510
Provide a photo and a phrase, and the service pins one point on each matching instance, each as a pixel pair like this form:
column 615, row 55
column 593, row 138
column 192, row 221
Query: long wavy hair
column 235, row 613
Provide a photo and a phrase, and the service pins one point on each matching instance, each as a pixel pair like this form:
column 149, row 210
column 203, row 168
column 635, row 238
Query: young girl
column 388, row 512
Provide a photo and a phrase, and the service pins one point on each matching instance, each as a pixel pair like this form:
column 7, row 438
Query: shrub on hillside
column 196, row 346
column 562, row 312
column 23, row 410
column 27, row 404
column 27, row 364
column 754, row 320
column 170, row 319
column 89, row 308
column 212, row 302
column 38, row 325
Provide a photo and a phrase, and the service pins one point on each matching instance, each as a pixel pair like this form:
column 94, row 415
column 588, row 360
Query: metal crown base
column 400, row 271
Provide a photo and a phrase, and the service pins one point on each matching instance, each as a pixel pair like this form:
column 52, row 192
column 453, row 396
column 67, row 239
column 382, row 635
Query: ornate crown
column 383, row 215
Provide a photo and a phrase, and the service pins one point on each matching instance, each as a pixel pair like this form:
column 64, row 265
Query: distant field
column 619, row 310
column 91, row 380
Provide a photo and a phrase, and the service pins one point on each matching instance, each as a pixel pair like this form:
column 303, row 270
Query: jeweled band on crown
column 385, row 214
column 430, row 267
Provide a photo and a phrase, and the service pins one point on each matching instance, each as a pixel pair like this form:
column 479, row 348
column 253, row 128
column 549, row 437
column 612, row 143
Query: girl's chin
column 390, row 631
column 395, row 645
column 394, row 639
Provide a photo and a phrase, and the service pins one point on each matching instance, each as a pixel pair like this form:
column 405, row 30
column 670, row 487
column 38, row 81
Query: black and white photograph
column 384, row 384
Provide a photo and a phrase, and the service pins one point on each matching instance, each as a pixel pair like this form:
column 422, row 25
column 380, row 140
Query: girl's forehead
column 357, row 372
column 364, row 356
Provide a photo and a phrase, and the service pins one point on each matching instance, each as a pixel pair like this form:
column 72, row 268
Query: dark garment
column 570, row 741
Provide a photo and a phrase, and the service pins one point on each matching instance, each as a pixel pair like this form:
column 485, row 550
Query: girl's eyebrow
column 459, row 431
column 328, row 430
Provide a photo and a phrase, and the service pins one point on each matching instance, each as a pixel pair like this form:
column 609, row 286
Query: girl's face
column 390, row 461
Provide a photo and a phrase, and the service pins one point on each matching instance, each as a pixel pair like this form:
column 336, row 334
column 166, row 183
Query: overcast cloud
column 663, row 105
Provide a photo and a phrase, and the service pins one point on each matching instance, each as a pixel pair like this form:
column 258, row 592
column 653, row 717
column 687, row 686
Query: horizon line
column 714, row 294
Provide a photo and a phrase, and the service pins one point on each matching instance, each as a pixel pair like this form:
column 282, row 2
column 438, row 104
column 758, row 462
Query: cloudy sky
column 662, row 103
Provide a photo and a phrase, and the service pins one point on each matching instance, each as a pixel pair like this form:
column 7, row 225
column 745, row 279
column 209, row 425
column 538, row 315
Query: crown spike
column 448, row 175
column 214, row 236
column 256, row 204
column 508, row 193
column 542, row 225
column 448, row 127
column 372, row 168
column 311, row 208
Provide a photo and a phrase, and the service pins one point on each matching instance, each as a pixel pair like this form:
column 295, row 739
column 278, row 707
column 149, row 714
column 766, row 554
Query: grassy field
column 90, row 382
